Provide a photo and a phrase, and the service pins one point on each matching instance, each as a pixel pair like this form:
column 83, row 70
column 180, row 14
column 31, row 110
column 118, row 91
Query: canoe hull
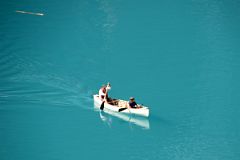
column 139, row 121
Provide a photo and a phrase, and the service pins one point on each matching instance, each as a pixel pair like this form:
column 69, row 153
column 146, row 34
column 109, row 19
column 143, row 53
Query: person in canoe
column 103, row 92
column 132, row 103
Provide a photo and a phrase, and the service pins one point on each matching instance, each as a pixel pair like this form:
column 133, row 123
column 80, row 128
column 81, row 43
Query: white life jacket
column 101, row 93
column 104, row 91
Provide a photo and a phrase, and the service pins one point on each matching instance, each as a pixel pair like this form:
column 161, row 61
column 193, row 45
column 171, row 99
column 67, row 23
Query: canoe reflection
column 106, row 117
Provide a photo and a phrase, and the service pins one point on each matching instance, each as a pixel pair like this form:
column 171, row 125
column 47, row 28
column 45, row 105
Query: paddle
column 121, row 109
column 102, row 105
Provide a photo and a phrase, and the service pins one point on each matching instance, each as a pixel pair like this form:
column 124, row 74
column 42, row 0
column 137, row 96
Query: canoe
column 121, row 104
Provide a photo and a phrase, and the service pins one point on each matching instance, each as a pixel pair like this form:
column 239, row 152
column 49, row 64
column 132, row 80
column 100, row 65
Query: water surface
column 179, row 58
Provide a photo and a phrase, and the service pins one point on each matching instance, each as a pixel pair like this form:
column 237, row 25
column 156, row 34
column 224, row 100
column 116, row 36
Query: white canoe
column 143, row 111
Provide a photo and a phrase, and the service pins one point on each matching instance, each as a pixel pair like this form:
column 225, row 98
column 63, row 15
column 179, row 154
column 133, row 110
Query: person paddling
column 103, row 92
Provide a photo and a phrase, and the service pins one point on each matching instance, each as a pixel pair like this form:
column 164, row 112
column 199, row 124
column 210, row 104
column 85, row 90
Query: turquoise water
column 179, row 58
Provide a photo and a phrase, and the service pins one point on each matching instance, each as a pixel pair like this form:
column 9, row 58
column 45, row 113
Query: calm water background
column 180, row 58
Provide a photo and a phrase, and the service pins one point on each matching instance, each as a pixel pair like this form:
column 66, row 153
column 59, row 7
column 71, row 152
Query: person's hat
column 131, row 98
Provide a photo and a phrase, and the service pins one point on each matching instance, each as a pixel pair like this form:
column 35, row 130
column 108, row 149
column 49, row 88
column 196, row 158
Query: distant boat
column 121, row 106
column 25, row 12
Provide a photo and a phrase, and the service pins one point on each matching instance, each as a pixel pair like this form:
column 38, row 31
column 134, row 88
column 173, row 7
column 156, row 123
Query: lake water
column 179, row 58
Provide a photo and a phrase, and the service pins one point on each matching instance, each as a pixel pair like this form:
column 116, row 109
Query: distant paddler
column 103, row 94
column 32, row 13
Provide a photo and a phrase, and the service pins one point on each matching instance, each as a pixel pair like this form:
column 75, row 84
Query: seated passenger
column 132, row 103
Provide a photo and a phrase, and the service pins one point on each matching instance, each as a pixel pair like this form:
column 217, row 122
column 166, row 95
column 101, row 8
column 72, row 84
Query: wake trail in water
column 23, row 81
column 20, row 93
